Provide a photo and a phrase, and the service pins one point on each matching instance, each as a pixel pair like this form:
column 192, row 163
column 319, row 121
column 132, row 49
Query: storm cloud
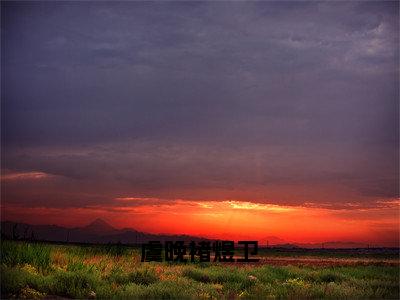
column 291, row 103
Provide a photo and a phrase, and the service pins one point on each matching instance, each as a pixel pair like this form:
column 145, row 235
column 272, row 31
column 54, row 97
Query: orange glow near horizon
column 231, row 220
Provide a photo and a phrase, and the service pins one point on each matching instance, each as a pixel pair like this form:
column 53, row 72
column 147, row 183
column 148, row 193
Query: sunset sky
column 256, row 120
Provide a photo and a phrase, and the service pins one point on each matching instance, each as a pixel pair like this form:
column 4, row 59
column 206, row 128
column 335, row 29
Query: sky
column 220, row 119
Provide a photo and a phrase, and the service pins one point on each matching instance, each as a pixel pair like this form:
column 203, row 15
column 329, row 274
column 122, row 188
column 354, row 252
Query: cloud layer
column 280, row 103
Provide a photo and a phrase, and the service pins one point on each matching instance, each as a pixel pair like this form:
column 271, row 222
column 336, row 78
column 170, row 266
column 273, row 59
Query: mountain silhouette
column 271, row 240
column 97, row 232
column 99, row 226
column 100, row 232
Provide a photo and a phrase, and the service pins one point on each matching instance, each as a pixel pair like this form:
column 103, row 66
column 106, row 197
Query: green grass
column 30, row 270
column 37, row 255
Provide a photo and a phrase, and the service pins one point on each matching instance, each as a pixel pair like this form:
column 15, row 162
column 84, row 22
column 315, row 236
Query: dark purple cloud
column 274, row 102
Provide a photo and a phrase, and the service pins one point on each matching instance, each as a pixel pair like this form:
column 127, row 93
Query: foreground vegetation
column 34, row 270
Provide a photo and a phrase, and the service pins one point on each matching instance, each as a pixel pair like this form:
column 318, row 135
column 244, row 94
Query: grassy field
column 36, row 270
